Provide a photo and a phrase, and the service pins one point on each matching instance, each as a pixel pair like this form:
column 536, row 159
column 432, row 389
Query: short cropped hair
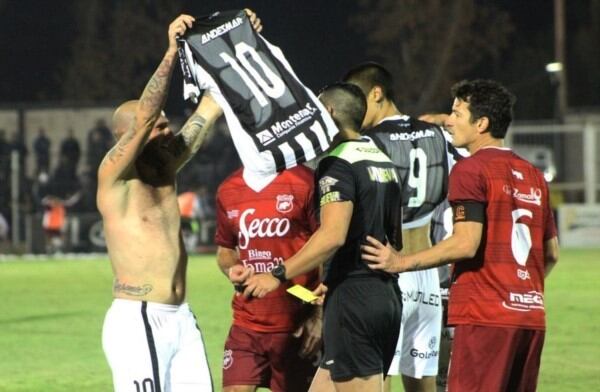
column 348, row 102
column 487, row 98
column 370, row 74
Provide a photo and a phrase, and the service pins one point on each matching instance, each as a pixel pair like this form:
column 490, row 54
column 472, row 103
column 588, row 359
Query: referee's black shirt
column 357, row 171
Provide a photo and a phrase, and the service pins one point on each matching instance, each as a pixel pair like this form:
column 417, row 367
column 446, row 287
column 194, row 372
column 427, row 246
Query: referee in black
column 358, row 195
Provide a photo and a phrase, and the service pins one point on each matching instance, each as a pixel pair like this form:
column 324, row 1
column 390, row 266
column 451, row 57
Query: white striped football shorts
column 417, row 351
column 153, row 347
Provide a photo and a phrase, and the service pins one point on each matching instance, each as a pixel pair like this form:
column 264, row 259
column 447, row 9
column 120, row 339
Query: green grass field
column 51, row 314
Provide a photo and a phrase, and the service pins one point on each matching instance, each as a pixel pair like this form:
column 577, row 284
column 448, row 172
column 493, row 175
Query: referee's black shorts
column 361, row 324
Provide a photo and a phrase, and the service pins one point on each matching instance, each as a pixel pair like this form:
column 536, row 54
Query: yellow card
column 302, row 292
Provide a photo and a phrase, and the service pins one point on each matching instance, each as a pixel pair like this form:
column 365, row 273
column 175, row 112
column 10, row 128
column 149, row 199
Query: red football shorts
column 495, row 359
column 268, row 360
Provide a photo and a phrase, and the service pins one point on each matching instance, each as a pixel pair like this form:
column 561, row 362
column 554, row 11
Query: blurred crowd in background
column 64, row 180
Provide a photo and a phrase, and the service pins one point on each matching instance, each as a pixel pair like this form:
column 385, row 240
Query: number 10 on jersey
column 274, row 87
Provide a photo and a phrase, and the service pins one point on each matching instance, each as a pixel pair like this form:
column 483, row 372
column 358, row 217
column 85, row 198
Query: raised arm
column 134, row 120
column 193, row 133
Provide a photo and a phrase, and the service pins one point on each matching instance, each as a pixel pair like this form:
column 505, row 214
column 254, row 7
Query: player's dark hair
column 348, row 102
column 370, row 74
column 487, row 98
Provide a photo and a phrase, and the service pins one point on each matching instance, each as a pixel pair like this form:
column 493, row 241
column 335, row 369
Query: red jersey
column 503, row 285
column 268, row 227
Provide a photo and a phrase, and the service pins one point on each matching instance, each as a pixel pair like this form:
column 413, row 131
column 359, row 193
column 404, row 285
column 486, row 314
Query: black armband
column 468, row 211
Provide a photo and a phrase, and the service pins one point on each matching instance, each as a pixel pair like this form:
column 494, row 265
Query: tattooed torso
column 145, row 246
column 138, row 200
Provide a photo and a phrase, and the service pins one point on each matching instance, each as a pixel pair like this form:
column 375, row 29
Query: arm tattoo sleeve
column 154, row 96
column 151, row 103
column 191, row 137
column 118, row 151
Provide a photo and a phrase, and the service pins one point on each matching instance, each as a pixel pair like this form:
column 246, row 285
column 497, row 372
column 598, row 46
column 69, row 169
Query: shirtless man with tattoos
column 150, row 336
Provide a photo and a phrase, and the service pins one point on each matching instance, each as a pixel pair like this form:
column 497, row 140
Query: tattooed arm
column 134, row 120
column 193, row 133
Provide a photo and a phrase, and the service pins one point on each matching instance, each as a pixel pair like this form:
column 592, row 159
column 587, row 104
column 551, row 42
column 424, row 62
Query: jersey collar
column 496, row 148
column 255, row 181
column 394, row 117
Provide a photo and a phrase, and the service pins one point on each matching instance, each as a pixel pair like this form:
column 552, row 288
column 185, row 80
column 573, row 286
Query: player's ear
column 482, row 124
column 376, row 94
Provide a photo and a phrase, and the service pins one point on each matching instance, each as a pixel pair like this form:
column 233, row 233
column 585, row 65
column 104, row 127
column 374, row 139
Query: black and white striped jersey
column 275, row 121
column 420, row 154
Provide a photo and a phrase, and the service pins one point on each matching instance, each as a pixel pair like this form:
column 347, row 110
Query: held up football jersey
column 267, row 227
column 503, row 285
column 275, row 121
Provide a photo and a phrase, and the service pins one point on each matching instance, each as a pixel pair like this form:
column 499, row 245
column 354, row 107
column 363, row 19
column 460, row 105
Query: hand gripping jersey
column 275, row 121
column 503, row 285
column 419, row 151
column 268, row 227
column 359, row 172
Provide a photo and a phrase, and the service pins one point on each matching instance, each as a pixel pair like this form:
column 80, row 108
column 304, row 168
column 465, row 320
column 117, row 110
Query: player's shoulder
column 515, row 157
column 352, row 151
column 425, row 130
column 420, row 124
column 520, row 162
column 392, row 124
column 405, row 123
column 468, row 164
column 331, row 161
column 333, row 165
column 403, row 128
